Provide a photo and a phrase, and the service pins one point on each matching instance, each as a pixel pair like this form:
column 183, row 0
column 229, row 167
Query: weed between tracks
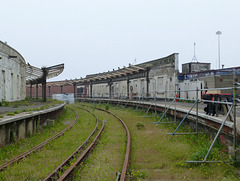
column 155, row 157
column 9, row 151
column 108, row 155
column 38, row 165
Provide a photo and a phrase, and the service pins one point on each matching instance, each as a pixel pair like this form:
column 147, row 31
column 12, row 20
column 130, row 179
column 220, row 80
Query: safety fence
column 216, row 103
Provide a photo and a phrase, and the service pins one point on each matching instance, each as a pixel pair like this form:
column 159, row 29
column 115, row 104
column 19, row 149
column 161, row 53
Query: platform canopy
column 113, row 74
column 36, row 75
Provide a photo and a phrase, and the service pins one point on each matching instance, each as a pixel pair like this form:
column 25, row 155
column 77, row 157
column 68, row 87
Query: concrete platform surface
column 187, row 106
column 32, row 104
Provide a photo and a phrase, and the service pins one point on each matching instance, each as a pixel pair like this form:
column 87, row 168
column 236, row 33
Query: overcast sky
column 100, row 35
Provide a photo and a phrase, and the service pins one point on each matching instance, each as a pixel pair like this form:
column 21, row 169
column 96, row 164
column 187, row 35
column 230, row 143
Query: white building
column 142, row 80
column 12, row 74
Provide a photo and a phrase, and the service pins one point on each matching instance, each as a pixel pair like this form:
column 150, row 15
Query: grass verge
column 41, row 163
column 154, row 156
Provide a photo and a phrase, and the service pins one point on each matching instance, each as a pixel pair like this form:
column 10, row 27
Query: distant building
column 12, row 74
column 211, row 79
column 56, row 87
column 142, row 80
column 195, row 67
column 158, row 77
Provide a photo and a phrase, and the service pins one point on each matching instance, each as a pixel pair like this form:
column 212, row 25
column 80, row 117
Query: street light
column 218, row 33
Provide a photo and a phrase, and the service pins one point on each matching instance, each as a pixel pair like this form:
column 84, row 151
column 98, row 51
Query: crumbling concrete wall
column 164, row 77
column 16, row 128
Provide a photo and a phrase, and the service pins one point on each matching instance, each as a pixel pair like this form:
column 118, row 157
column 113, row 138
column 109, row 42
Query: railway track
column 70, row 171
column 39, row 146
column 80, row 154
column 128, row 145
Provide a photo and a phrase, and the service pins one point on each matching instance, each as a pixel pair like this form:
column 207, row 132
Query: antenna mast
column 194, row 59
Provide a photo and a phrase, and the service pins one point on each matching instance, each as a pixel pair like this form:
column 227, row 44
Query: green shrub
column 200, row 154
column 28, row 99
column 11, row 114
column 140, row 126
column 16, row 112
column 5, row 103
column 107, row 107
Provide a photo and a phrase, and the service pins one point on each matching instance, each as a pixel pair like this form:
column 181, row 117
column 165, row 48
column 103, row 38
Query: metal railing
column 230, row 105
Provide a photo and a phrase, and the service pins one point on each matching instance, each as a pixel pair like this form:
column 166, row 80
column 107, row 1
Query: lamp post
column 218, row 33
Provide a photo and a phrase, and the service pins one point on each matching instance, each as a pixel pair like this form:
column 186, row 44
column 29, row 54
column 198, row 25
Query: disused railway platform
column 23, row 124
column 208, row 122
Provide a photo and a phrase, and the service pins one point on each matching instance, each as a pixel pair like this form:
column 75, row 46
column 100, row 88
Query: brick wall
column 53, row 90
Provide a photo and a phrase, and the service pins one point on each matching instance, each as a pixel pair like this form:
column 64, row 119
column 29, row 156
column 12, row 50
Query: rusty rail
column 128, row 147
column 76, row 164
column 67, row 175
column 55, row 174
column 25, row 154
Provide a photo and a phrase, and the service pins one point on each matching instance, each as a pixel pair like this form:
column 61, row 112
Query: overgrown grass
column 28, row 103
column 10, row 114
column 154, row 156
column 108, row 155
column 41, row 163
column 11, row 150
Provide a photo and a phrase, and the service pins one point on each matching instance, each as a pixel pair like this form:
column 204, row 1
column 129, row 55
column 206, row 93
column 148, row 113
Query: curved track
column 128, row 146
column 25, row 154
column 67, row 163
column 68, row 173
